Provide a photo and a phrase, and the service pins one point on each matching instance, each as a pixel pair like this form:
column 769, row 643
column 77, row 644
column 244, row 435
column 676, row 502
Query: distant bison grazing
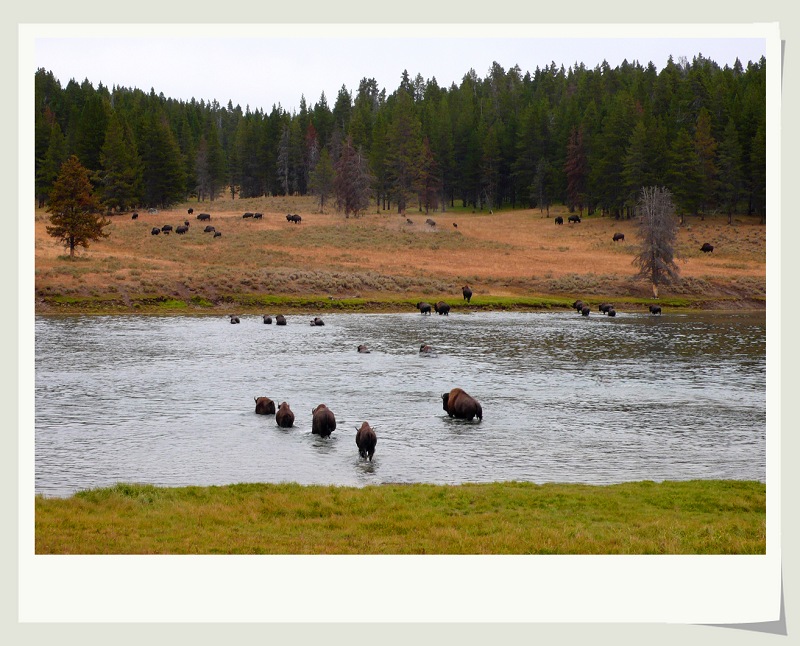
column 155, row 231
column 209, row 229
column 460, row 405
column 217, row 234
column 363, row 349
column 455, row 225
column 655, row 309
column 204, row 216
column 467, row 292
column 366, row 441
column 264, row 406
column 618, row 236
column 135, row 216
column 258, row 216
column 424, row 308
column 166, row 228
column 293, row 218
column 559, row 220
column 248, row 215
column 430, row 222
column 442, row 308
column 574, row 218
column 186, row 223
column 280, row 320
column 190, row 211
column 284, row 417
column 409, row 221
column 181, row 229
column 706, row 248
column 323, row 421
column 267, row 319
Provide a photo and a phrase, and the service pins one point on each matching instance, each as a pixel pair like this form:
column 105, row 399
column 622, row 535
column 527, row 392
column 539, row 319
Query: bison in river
column 442, row 308
column 366, row 441
column 363, row 349
column 425, row 349
column 284, row 417
column 264, row 406
column 604, row 307
column 460, row 405
column 706, row 248
column 618, row 236
column 317, row 321
column 578, row 305
column 280, row 320
column 655, row 309
column 585, row 310
column 267, row 319
column 234, row 319
column 323, row 422
column 467, row 292
column 424, row 308
column 611, row 311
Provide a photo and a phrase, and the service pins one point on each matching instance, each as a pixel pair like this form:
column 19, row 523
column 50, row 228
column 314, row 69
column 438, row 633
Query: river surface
column 169, row 400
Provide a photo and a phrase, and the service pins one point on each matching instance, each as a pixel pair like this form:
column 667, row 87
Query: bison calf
column 366, row 441
column 460, row 405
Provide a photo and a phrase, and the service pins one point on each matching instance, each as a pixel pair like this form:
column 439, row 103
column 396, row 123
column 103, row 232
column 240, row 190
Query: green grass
column 695, row 517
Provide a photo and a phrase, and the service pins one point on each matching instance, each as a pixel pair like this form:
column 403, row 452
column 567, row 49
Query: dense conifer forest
column 586, row 138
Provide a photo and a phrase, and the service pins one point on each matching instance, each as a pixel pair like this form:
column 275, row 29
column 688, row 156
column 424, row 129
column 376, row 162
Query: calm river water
column 169, row 400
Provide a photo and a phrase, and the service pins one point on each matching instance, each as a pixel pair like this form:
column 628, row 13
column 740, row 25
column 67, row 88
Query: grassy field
column 514, row 259
column 696, row 517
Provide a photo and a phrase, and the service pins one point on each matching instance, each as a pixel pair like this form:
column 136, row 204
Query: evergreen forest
column 586, row 138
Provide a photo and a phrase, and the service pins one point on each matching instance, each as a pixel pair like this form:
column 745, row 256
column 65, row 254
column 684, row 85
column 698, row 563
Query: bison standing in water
column 460, row 405
column 284, row 417
column 366, row 441
column 264, row 406
column 323, row 421
column 655, row 309
column 280, row 320
column 424, row 308
column 442, row 308
column 363, row 349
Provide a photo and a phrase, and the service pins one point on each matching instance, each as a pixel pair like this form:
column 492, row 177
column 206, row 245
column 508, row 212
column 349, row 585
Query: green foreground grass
column 693, row 517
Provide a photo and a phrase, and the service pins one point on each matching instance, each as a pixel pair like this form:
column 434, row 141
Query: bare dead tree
column 658, row 229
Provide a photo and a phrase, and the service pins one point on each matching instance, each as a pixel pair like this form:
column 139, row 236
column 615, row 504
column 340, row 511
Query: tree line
column 586, row 138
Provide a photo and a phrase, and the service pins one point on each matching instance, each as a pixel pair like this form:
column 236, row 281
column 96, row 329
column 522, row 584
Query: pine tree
column 50, row 165
column 729, row 162
column 322, row 179
column 428, row 178
column 75, row 220
column 684, row 174
column 706, row 148
column 405, row 147
column 658, row 231
column 120, row 178
column 282, row 163
column 164, row 180
column 352, row 180
column 576, row 168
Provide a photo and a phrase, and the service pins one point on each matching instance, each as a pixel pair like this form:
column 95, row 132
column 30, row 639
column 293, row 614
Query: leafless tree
column 658, row 229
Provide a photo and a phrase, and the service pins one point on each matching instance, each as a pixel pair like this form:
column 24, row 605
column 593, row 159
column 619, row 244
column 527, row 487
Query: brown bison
column 467, row 292
column 442, row 308
column 317, row 321
column 267, row 319
column 460, row 405
column 217, row 234
column 366, row 441
column 559, row 220
column 430, row 222
column 323, row 422
column 234, row 319
column 204, row 216
column 280, row 320
column 578, row 305
column 574, row 218
column 706, row 248
column 284, row 417
column 585, row 310
column 425, row 349
column 155, row 231
column 424, row 308
column 604, row 307
column 135, row 216
column 264, row 406
column 618, row 236
column 363, row 349
column 655, row 309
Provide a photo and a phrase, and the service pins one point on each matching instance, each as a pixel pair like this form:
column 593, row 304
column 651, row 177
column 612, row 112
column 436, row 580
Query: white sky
column 253, row 65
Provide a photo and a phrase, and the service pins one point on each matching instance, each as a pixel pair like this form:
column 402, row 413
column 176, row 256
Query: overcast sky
column 258, row 66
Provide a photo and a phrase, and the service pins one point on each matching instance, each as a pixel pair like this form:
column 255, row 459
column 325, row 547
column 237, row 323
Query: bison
column 267, row 319
column 284, row 417
column 155, row 231
column 467, row 292
column 204, row 216
column 604, row 307
column 209, row 229
column 247, row 215
column 655, row 309
column 323, row 421
column 425, row 349
column 430, row 222
column 442, row 308
column 574, row 218
column 578, row 305
column 707, row 248
column 280, row 320
column 460, row 405
column 293, row 218
column 190, row 211
column 317, row 321
column 186, row 223
column 618, row 236
column 217, row 234
column 258, row 216
column 585, row 310
column 423, row 307
column 455, row 225
column 363, row 349
column 135, row 216
column 166, row 228
column 611, row 311
column 366, row 441
column 181, row 229
column 234, row 319
column 559, row 220
column 264, row 406
column 409, row 221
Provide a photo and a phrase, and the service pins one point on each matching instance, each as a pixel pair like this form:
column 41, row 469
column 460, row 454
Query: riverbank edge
column 244, row 303
column 643, row 517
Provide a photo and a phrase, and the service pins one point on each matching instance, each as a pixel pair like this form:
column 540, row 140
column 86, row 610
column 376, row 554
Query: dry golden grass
column 519, row 252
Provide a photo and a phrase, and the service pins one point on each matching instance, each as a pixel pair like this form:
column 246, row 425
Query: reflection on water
column 169, row 400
